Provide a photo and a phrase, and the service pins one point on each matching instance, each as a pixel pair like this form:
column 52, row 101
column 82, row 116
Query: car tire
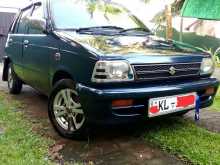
column 14, row 83
column 65, row 111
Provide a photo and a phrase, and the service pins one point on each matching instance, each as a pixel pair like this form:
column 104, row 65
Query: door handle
column 26, row 42
column 10, row 40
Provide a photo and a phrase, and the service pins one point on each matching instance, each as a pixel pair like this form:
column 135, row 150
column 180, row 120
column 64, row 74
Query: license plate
column 170, row 104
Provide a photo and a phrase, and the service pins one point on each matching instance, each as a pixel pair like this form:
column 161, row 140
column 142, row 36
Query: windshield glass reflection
column 75, row 14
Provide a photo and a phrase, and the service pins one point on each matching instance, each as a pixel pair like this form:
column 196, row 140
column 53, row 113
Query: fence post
column 169, row 27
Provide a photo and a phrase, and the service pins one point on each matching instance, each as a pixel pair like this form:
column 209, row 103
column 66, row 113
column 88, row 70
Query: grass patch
column 216, row 105
column 184, row 139
column 218, row 65
column 18, row 144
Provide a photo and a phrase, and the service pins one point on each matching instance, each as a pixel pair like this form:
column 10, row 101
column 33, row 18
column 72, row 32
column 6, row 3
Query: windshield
column 76, row 14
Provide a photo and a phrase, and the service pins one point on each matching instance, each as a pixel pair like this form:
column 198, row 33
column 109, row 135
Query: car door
column 14, row 44
column 39, row 48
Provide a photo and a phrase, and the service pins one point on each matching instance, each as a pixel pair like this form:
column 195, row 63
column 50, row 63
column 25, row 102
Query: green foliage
column 177, row 6
column 91, row 7
column 146, row 1
column 216, row 55
column 106, row 8
column 111, row 9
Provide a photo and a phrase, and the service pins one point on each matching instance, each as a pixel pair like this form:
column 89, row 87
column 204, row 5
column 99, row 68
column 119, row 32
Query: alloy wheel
column 68, row 111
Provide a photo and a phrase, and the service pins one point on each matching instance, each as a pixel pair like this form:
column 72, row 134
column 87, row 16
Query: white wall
column 14, row 3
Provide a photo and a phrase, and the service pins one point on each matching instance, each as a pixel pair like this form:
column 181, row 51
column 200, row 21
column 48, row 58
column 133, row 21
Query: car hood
column 130, row 46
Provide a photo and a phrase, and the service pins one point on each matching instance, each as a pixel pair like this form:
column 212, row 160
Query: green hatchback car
column 98, row 63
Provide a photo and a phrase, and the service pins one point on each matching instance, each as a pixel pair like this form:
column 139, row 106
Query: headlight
column 207, row 66
column 112, row 71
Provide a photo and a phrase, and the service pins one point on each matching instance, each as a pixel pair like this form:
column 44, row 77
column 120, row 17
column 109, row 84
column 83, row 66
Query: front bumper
column 97, row 101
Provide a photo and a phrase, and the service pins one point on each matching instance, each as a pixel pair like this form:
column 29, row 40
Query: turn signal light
column 122, row 103
column 210, row 91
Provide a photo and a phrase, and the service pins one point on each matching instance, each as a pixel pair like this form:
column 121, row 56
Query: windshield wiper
column 113, row 30
column 98, row 28
column 136, row 30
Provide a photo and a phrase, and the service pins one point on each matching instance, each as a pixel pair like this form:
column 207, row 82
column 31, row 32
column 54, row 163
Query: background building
column 8, row 10
column 6, row 18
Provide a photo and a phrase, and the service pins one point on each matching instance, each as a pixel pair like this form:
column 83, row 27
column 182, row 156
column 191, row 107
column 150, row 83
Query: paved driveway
column 113, row 146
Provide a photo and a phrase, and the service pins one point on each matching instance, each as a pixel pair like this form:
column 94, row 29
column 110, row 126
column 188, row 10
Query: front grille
column 166, row 71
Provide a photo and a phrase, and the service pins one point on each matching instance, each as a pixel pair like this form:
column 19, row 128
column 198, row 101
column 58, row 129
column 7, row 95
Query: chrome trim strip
column 170, row 77
column 161, row 71
column 152, row 64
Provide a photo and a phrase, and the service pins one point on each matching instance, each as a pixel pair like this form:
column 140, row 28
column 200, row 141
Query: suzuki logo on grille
column 172, row 70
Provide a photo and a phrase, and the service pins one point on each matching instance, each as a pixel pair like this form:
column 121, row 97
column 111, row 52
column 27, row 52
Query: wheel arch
column 59, row 75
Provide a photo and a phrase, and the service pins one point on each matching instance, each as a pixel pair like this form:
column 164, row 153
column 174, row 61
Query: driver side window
column 37, row 12
column 22, row 25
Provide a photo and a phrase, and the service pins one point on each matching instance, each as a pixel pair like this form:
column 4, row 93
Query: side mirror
column 37, row 23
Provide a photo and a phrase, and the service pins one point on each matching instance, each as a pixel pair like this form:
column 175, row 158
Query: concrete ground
column 110, row 145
